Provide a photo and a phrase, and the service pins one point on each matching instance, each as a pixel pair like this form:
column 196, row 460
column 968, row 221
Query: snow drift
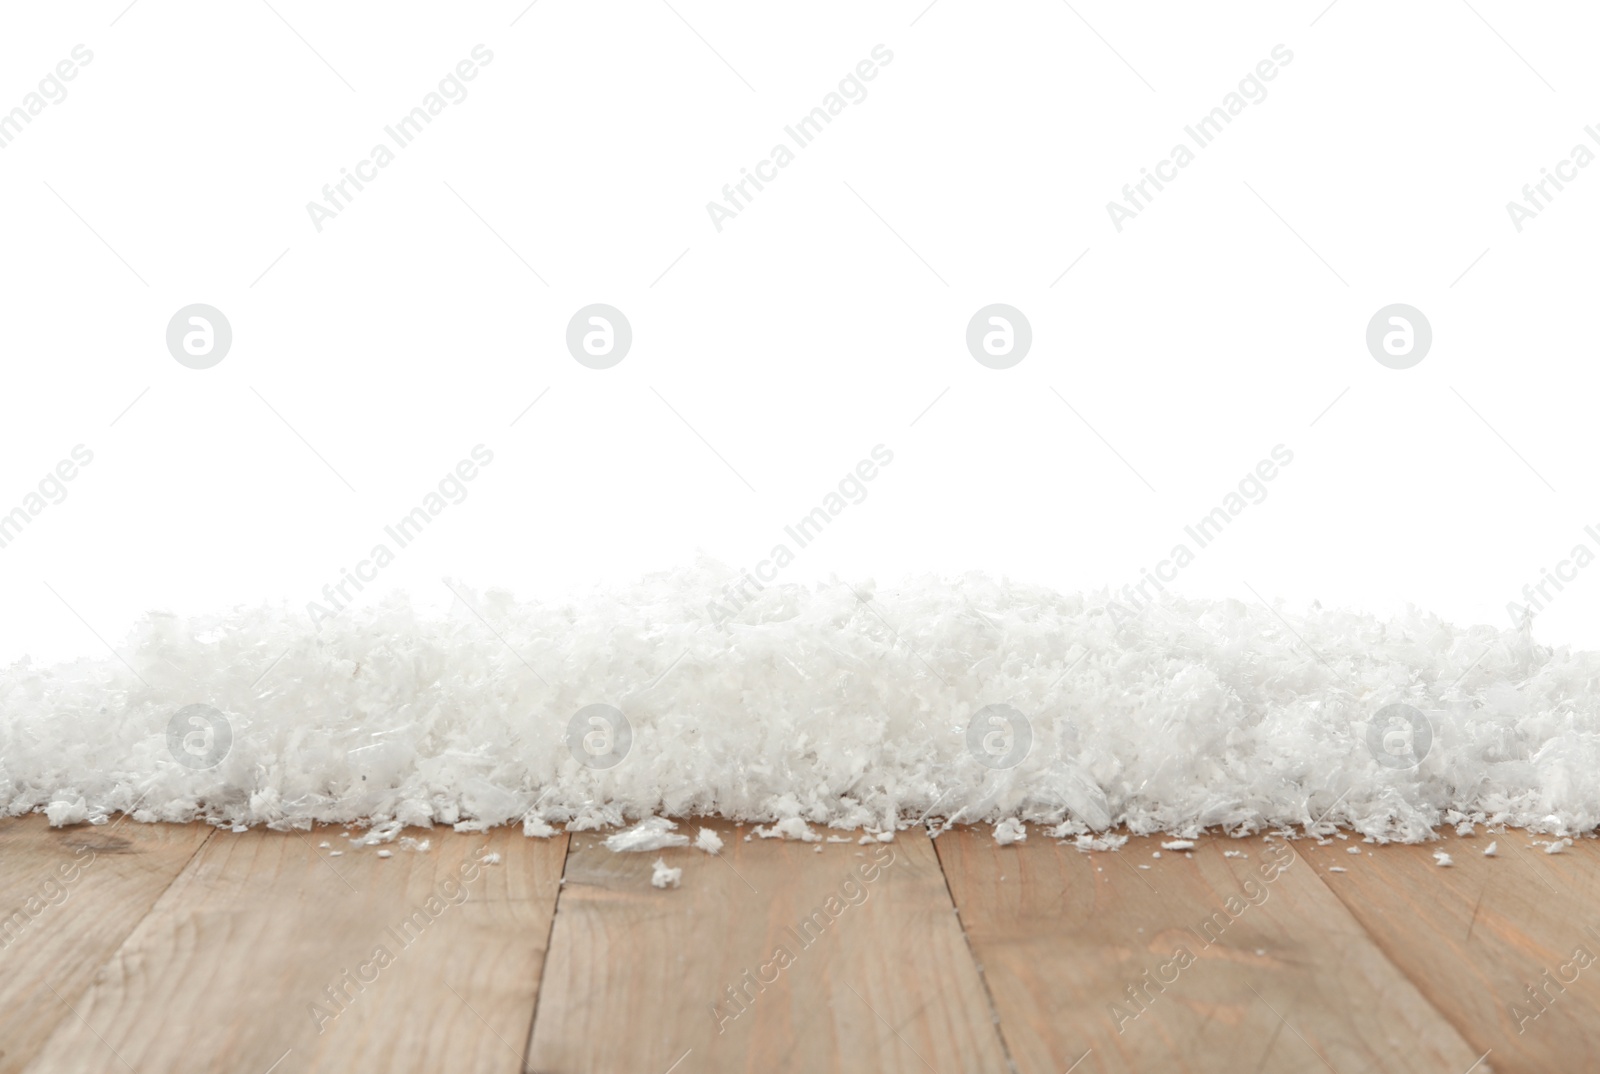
column 966, row 699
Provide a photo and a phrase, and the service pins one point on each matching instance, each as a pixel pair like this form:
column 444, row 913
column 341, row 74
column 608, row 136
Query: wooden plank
column 639, row 978
column 1477, row 934
column 1199, row 963
column 268, row 953
column 69, row 897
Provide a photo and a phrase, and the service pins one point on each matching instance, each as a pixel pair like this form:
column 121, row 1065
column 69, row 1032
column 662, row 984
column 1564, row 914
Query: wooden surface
column 70, row 897
column 1477, row 934
column 1236, row 963
column 179, row 948
column 231, row 969
column 882, row 982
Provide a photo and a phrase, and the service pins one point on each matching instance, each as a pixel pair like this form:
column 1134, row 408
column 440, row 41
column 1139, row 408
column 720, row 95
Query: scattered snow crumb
column 63, row 813
column 863, row 841
column 535, row 827
column 1352, row 850
column 1442, row 858
column 817, row 849
column 324, row 844
column 490, row 859
column 1144, row 866
column 652, row 833
column 1340, row 835
column 1106, row 842
column 1234, row 854
column 1324, row 842
column 1492, row 849
column 793, row 828
column 1155, row 854
column 1010, row 831
column 1261, row 951
column 1337, row 869
column 1464, row 828
column 708, row 841
column 421, row 847
column 838, row 839
column 385, row 853
column 1557, row 846
column 1178, row 844
column 384, row 832
column 663, row 876
column 335, row 853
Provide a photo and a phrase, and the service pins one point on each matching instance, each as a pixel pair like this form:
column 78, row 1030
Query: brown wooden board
column 1200, row 962
column 1477, row 935
column 69, row 897
column 880, row 980
column 268, row 953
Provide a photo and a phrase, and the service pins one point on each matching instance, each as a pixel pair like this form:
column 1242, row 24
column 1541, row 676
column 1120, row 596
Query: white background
column 807, row 331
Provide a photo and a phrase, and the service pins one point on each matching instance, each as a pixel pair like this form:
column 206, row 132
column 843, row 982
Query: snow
column 1010, row 831
column 792, row 828
column 535, row 827
column 661, row 876
column 804, row 707
column 1442, row 859
column 652, row 833
column 708, row 841
column 1492, row 849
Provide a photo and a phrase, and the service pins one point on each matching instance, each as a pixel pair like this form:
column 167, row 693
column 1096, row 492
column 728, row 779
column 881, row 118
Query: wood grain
column 174, row 948
column 242, row 965
column 1282, row 978
column 69, row 897
column 639, row 978
column 1477, row 934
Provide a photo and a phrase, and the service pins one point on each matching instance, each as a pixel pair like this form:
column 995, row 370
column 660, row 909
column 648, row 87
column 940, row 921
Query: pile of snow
column 834, row 705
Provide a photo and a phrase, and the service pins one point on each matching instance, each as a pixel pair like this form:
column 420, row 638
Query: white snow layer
column 834, row 705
